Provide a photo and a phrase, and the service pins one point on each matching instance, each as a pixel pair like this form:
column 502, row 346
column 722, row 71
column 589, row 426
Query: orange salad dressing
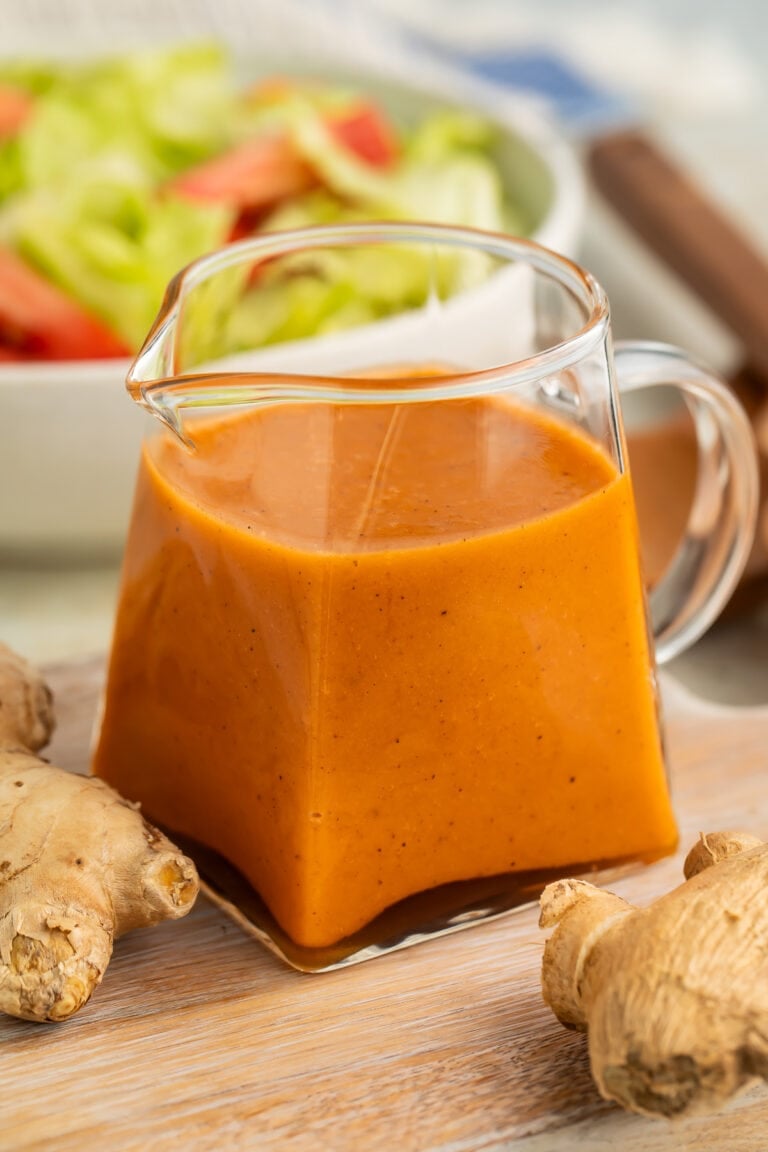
column 363, row 651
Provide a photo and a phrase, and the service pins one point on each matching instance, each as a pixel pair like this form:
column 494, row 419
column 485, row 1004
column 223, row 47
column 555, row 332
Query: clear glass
column 382, row 658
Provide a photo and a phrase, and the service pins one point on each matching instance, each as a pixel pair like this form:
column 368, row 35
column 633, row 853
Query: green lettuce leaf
column 161, row 110
column 114, row 249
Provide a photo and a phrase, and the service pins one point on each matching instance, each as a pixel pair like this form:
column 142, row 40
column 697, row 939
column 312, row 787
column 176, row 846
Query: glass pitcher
column 382, row 658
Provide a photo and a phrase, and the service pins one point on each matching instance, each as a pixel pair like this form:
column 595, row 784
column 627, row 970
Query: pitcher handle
column 721, row 524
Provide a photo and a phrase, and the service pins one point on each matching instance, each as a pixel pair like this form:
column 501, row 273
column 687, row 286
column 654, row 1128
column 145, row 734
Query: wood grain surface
column 200, row 1040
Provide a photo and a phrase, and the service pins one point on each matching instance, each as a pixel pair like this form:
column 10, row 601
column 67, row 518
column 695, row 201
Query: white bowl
column 70, row 435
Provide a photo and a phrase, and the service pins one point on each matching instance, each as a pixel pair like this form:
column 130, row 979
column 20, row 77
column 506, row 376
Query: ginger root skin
column 674, row 997
column 79, row 866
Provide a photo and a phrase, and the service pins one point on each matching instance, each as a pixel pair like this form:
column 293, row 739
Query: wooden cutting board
column 200, row 1040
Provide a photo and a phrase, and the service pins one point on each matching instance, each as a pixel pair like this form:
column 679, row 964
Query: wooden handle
column 688, row 232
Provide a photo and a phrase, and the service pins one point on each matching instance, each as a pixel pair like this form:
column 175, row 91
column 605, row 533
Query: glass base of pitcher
column 425, row 916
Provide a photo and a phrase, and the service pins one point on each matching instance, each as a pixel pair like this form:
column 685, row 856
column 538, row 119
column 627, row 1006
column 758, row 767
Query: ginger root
column 79, row 866
column 674, row 997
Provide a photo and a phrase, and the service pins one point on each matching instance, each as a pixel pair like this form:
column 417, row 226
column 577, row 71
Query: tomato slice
column 367, row 133
column 38, row 321
column 266, row 169
column 15, row 107
column 255, row 174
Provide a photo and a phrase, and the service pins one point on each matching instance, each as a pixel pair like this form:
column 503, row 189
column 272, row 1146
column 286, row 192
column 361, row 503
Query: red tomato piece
column 266, row 169
column 15, row 107
column 367, row 133
column 38, row 321
column 255, row 174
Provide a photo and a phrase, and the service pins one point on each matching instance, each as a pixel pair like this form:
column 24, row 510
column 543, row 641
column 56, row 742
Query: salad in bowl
column 115, row 173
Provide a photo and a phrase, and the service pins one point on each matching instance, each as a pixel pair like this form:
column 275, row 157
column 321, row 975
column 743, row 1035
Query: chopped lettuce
column 11, row 173
column 270, row 105
column 448, row 132
column 81, row 187
column 288, row 309
column 113, row 249
column 445, row 177
column 162, row 110
column 87, row 197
